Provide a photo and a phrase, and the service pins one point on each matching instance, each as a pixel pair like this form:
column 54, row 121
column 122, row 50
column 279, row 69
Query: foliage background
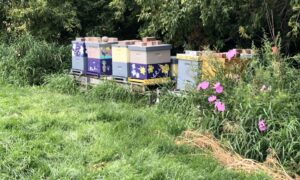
column 220, row 24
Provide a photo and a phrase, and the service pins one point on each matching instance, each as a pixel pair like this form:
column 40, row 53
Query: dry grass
column 232, row 160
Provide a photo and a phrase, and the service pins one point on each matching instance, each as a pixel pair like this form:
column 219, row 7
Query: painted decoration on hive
column 103, row 67
column 106, row 52
column 149, row 71
column 78, row 49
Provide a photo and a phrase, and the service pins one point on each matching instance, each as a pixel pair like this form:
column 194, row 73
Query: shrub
column 26, row 60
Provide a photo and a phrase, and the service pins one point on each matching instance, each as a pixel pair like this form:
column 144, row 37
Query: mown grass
column 44, row 134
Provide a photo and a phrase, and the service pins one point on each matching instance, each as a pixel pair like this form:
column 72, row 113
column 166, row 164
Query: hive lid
column 93, row 39
column 193, row 53
column 159, row 47
column 125, row 43
column 119, row 45
column 188, row 57
column 99, row 44
column 80, row 39
column 78, row 42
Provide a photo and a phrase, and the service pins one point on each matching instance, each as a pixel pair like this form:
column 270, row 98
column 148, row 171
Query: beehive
column 194, row 65
column 79, row 56
column 212, row 62
column 150, row 59
column 174, row 68
column 121, row 58
column 99, row 66
column 150, row 71
column 189, row 69
column 99, row 52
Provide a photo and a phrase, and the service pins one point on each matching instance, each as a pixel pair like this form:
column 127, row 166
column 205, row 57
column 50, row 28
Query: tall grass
column 62, row 83
column 247, row 101
column 26, row 60
column 112, row 91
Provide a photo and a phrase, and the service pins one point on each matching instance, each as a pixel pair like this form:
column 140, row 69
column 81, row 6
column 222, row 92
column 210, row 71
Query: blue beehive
column 79, row 56
column 188, row 71
column 121, row 69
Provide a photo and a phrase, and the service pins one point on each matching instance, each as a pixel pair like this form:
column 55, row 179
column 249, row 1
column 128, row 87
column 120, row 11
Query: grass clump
column 112, row 91
column 61, row 83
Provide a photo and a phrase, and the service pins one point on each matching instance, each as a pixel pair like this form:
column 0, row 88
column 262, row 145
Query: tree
column 192, row 24
column 223, row 24
column 175, row 21
column 3, row 15
column 56, row 20
column 51, row 20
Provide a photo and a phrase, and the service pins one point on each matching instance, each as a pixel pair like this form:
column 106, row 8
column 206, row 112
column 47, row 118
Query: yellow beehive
column 210, row 65
column 120, row 54
column 217, row 61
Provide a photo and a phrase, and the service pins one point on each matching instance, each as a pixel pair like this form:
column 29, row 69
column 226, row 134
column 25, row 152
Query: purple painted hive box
column 149, row 71
column 99, row 66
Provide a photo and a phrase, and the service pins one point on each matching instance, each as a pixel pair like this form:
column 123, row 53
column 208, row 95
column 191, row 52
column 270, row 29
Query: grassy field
column 50, row 135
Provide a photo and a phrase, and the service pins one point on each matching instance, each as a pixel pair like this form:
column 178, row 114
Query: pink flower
column 212, row 99
column 230, row 54
column 218, row 88
column 203, row 85
column 262, row 125
column 217, row 85
column 220, row 106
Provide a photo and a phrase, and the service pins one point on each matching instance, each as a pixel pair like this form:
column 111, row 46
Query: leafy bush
column 26, row 60
column 61, row 83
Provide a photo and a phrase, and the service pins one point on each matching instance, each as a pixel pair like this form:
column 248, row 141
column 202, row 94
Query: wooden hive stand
column 143, row 86
column 120, row 79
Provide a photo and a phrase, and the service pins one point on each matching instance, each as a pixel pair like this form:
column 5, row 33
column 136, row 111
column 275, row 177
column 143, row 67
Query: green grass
column 45, row 134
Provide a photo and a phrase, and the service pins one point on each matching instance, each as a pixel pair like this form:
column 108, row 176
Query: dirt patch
column 232, row 160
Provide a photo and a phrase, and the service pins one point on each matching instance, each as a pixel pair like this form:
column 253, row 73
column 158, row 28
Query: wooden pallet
column 87, row 80
column 120, row 79
column 99, row 77
column 77, row 72
column 134, row 85
column 148, row 85
column 155, row 81
column 91, row 74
